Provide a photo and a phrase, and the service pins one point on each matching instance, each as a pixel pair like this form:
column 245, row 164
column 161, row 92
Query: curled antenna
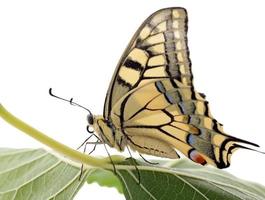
column 70, row 101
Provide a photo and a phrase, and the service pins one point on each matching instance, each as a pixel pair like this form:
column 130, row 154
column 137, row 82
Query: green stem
column 53, row 144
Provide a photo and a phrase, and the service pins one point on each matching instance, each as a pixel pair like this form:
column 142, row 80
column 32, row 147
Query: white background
column 74, row 46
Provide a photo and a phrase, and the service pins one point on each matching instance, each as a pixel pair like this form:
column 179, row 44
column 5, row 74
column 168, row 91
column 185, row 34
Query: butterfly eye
column 90, row 119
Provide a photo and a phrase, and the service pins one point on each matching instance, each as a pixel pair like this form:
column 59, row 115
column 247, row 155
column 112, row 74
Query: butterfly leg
column 151, row 146
column 86, row 143
column 135, row 164
column 82, row 166
column 91, row 135
column 147, row 161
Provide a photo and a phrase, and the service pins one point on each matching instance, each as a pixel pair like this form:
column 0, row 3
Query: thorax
column 108, row 133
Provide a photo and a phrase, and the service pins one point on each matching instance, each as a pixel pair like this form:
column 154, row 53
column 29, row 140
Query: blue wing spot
column 169, row 98
column 191, row 139
column 160, row 87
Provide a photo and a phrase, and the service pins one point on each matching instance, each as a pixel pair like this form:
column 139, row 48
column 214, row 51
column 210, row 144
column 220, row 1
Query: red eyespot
column 196, row 157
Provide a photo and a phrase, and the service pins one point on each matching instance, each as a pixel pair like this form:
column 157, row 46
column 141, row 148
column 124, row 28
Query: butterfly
column 151, row 105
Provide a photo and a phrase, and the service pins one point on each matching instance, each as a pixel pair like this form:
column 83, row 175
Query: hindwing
column 176, row 115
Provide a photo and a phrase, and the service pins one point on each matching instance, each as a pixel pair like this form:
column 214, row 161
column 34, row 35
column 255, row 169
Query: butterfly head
column 90, row 119
column 91, row 122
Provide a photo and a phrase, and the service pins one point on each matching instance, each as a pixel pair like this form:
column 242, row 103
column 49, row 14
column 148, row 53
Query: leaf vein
column 141, row 185
column 192, row 186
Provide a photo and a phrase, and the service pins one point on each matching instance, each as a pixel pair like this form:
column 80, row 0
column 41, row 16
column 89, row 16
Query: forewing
column 157, row 51
column 179, row 116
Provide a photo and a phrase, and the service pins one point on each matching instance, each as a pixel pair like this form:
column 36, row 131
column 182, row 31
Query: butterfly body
column 115, row 138
column 151, row 104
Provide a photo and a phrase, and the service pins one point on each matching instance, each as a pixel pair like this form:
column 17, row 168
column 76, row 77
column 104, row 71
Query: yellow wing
column 175, row 117
column 158, row 50
column 151, row 99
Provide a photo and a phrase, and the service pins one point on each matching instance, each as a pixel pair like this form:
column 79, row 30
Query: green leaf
column 36, row 174
column 185, row 180
column 105, row 178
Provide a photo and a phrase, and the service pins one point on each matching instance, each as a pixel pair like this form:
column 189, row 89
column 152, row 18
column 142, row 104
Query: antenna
column 70, row 101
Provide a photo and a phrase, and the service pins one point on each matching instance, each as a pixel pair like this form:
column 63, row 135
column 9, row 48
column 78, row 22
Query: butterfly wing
column 151, row 98
column 179, row 118
column 158, row 50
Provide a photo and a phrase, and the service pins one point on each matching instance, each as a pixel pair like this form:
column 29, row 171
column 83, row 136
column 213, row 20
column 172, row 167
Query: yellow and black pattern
column 177, row 116
column 158, row 50
column 151, row 104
